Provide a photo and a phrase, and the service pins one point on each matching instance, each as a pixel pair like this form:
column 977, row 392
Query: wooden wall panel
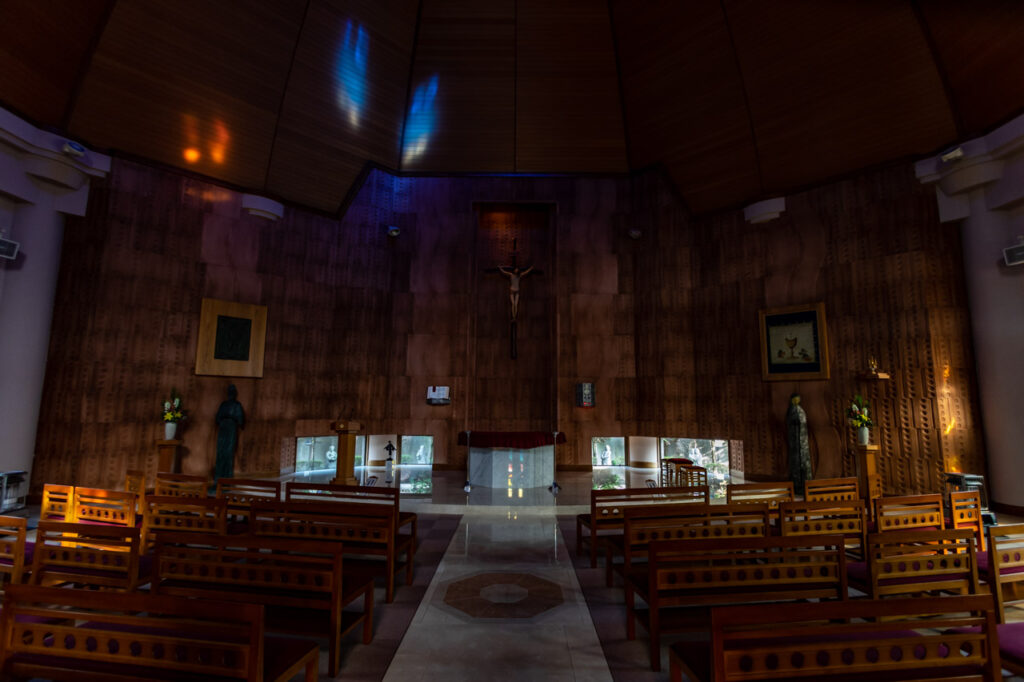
column 568, row 111
column 345, row 98
column 860, row 74
column 43, row 44
column 191, row 74
column 977, row 47
column 683, row 99
column 467, row 120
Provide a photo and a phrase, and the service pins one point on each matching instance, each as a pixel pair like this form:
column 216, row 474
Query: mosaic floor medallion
column 503, row 595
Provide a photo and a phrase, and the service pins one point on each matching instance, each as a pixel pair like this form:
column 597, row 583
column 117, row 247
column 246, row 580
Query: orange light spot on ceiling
column 191, row 154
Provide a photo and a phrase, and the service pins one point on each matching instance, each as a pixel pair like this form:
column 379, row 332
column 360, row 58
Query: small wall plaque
column 438, row 395
column 585, row 395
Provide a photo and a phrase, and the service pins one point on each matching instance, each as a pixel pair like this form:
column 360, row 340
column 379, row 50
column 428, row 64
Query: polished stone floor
column 504, row 603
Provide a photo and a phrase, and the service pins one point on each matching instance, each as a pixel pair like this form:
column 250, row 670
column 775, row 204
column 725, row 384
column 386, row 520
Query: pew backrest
column 832, row 490
column 843, row 517
column 893, row 638
column 58, row 503
column 909, row 512
column 240, row 493
column 771, row 493
column 109, row 507
column 183, row 514
column 910, row 562
column 13, row 530
column 607, row 507
column 180, row 485
column 86, row 555
column 965, row 512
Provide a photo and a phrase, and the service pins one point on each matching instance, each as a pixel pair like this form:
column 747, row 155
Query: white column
column 42, row 178
column 982, row 185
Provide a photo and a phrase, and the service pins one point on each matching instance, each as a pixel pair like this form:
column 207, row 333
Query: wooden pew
column 915, row 562
column 180, row 485
column 965, row 512
column 289, row 578
column 57, row 503
column 644, row 525
column 773, row 494
column 607, row 507
column 241, row 492
column 826, row 517
column 136, row 636
column 367, row 532
column 682, row 574
column 909, row 512
column 1002, row 567
column 106, row 507
column 86, row 555
column 846, row 640
column 12, row 550
column 135, row 482
column 182, row 514
column 832, row 490
column 295, row 491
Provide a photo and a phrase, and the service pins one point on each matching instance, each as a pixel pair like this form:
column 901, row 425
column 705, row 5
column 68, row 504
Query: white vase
column 863, row 435
column 170, row 430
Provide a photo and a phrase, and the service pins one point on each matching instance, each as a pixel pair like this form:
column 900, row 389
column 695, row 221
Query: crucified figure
column 514, row 274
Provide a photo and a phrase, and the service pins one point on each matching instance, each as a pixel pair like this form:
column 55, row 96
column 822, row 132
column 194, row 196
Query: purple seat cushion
column 857, row 571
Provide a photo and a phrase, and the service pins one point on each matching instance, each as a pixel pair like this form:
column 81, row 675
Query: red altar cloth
column 521, row 440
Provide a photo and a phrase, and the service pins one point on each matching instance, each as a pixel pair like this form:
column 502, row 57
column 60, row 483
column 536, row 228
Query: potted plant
column 857, row 415
column 173, row 413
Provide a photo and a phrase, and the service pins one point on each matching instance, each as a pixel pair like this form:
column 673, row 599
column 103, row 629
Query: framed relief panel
column 794, row 343
column 231, row 339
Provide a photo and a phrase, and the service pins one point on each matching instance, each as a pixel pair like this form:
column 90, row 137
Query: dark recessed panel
column 461, row 111
column 979, row 46
column 42, row 46
column 684, row 99
column 836, row 86
column 345, row 98
column 568, row 112
column 191, row 83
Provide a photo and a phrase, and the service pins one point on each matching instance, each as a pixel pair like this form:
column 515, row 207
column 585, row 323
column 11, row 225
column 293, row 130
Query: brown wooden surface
column 359, row 324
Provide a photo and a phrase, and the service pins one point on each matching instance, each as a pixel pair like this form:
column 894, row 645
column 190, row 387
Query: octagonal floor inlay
column 503, row 595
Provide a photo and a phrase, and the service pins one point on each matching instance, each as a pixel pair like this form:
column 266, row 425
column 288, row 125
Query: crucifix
column 515, row 276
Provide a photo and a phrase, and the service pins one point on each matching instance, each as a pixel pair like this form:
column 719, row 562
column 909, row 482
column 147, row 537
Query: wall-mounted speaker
column 1014, row 255
column 8, row 249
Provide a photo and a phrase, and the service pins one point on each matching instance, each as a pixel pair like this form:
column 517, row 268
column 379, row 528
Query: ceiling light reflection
column 350, row 71
column 421, row 121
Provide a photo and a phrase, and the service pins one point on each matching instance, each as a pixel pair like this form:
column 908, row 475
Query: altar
column 506, row 459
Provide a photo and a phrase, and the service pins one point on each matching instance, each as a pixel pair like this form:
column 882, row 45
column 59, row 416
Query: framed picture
column 794, row 343
column 231, row 339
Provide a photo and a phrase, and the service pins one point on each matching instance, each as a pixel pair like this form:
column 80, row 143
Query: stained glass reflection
column 350, row 67
column 421, row 121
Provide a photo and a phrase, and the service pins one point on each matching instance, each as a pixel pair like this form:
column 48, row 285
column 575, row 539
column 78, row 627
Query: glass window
column 315, row 453
column 608, row 451
column 358, row 459
column 713, row 455
column 417, row 450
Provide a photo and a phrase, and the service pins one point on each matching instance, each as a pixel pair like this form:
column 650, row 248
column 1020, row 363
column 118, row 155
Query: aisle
column 504, row 604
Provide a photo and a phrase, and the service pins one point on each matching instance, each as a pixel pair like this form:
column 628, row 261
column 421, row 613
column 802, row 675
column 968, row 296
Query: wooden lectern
column 345, row 473
column 167, row 455
column 867, row 474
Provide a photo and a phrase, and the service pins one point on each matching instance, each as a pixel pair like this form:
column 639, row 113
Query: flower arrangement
column 857, row 413
column 173, row 411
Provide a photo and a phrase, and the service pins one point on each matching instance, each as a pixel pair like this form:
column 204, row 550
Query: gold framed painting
column 231, row 339
column 794, row 343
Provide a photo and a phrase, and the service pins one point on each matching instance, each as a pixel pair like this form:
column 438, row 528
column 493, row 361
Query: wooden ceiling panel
column 43, row 45
column 568, row 110
column 345, row 99
column 684, row 99
column 461, row 113
column 191, row 83
column 836, row 86
column 978, row 44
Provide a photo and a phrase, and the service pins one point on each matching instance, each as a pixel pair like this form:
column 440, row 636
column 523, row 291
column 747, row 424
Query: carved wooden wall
column 359, row 324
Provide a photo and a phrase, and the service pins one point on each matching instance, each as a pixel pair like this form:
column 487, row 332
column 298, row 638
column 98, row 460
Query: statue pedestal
column 167, row 455
column 867, row 474
column 345, row 473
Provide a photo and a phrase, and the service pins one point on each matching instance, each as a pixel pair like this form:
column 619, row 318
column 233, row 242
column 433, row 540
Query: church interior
column 538, row 309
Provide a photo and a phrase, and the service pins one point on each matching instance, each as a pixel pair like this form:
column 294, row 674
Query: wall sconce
column 635, row 233
column 393, row 231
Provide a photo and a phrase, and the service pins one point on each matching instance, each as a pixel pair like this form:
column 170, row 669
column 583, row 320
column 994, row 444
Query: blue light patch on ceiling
column 350, row 71
column 421, row 122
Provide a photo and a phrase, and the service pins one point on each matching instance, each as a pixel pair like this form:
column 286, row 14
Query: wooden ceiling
column 739, row 100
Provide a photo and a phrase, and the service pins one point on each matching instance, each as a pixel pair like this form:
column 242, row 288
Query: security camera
column 393, row 230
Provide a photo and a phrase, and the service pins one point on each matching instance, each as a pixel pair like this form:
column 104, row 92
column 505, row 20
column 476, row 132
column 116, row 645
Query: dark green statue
column 230, row 419
column 799, row 444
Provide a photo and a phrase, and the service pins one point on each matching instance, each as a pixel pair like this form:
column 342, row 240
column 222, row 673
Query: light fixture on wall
column 635, row 233
column 393, row 231
column 253, row 204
